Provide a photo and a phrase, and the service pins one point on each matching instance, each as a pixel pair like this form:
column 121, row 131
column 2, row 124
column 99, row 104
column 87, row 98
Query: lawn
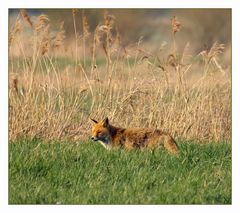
column 86, row 173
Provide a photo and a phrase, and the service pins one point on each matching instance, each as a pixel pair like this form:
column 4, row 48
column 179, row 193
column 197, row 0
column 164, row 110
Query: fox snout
column 94, row 138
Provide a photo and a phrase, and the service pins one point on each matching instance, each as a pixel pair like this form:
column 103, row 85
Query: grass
column 85, row 173
column 60, row 63
column 57, row 82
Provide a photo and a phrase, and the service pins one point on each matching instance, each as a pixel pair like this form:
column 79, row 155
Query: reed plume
column 59, row 38
column 15, row 31
column 41, row 22
column 26, row 17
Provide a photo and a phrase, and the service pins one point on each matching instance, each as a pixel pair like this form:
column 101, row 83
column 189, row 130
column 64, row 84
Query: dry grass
column 188, row 96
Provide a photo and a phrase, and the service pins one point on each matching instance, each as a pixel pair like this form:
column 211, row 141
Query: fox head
column 100, row 132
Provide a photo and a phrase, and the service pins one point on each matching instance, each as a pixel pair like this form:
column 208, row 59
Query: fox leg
column 170, row 145
column 128, row 146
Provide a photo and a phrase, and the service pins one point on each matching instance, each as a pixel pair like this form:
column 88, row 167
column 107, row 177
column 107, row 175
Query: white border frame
column 234, row 4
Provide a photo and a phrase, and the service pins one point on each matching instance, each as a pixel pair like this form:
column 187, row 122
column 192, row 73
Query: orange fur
column 115, row 137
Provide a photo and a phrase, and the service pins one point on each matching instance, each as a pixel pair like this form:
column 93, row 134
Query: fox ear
column 94, row 120
column 105, row 122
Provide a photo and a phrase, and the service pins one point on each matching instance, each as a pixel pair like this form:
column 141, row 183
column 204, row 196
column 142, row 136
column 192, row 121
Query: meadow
column 57, row 82
column 85, row 173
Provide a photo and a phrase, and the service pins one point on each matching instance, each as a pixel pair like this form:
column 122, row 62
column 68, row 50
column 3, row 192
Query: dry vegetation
column 188, row 96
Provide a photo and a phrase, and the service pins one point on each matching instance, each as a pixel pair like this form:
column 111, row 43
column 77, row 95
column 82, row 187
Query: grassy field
column 85, row 173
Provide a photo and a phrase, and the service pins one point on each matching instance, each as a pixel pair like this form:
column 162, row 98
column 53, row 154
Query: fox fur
column 130, row 138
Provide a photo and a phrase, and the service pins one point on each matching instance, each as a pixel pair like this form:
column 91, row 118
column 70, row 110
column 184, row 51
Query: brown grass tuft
column 185, row 94
column 59, row 38
column 41, row 22
column 26, row 17
column 176, row 25
column 17, row 29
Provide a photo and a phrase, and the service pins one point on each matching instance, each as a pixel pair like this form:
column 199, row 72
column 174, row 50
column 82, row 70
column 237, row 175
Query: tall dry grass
column 186, row 95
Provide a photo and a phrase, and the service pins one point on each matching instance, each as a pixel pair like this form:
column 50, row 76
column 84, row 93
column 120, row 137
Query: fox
column 131, row 138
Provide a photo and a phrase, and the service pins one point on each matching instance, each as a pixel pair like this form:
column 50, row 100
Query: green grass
column 86, row 173
column 60, row 63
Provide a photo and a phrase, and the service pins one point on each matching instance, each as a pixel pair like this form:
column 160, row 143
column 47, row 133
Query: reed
column 187, row 96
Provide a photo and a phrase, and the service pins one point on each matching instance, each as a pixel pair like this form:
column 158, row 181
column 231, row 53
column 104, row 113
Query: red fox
column 115, row 137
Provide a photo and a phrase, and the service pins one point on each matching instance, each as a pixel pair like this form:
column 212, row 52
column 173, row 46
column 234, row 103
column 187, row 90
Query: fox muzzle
column 94, row 138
